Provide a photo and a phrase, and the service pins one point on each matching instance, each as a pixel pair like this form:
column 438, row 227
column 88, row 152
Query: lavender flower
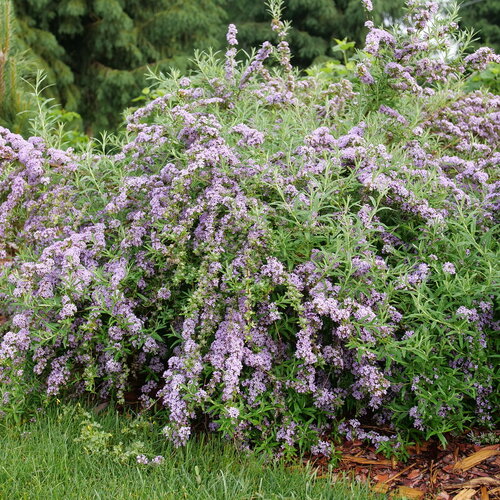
column 251, row 136
column 393, row 114
column 367, row 4
column 233, row 412
column 322, row 448
column 449, row 268
column 481, row 58
column 376, row 37
column 231, row 35
column 257, row 63
column 364, row 74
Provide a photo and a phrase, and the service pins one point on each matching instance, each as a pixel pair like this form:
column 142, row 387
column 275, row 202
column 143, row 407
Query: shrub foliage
column 273, row 257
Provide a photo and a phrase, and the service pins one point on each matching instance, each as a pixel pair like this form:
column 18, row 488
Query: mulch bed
column 462, row 471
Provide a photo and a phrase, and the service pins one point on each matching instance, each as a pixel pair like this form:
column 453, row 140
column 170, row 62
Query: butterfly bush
column 276, row 258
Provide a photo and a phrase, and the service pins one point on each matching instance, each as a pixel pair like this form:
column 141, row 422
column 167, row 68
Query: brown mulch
column 462, row 471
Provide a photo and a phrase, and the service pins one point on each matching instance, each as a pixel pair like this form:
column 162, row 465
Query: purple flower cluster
column 256, row 65
column 250, row 136
column 386, row 110
column 143, row 460
column 449, row 268
column 231, row 35
column 481, row 58
column 376, row 37
column 367, row 4
column 230, row 64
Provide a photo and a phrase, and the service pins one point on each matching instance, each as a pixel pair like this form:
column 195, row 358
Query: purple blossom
column 231, row 35
column 363, row 72
column 393, row 114
column 322, row 448
column 287, row 433
column 419, row 275
column 250, row 136
column 233, row 412
column 376, row 37
column 257, row 64
column 481, row 58
column 69, row 309
column 321, row 138
column 466, row 313
column 417, row 419
column 449, row 268
column 275, row 270
column 367, row 4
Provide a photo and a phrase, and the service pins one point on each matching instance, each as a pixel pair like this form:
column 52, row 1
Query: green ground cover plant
column 280, row 260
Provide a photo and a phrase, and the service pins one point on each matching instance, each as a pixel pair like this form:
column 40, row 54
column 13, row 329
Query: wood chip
column 401, row 472
column 414, row 474
column 442, row 495
column 380, row 488
column 411, row 493
column 491, row 447
column 466, row 494
column 478, row 481
column 475, row 458
column 367, row 461
column 484, row 493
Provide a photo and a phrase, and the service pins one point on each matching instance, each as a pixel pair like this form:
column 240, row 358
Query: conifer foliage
column 14, row 98
column 95, row 53
column 484, row 17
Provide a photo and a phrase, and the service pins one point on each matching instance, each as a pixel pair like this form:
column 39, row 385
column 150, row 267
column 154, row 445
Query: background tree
column 95, row 52
column 14, row 97
column 484, row 17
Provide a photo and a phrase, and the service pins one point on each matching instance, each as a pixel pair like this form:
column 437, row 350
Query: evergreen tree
column 95, row 52
column 14, row 97
column 314, row 24
column 483, row 16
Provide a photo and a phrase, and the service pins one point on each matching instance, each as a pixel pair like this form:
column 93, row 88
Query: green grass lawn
column 42, row 460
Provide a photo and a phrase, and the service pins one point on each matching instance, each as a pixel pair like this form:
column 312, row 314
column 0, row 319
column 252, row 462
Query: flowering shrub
column 278, row 258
